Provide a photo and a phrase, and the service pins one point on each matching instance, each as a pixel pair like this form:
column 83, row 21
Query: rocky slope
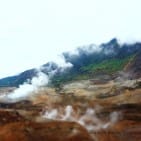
column 134, row 67
column 106, row 111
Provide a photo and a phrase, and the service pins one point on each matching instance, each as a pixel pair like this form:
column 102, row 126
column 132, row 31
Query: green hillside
column 109, row 67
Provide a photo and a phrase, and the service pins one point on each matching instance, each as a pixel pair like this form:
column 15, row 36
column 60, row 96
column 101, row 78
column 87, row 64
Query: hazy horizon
column 33, row 32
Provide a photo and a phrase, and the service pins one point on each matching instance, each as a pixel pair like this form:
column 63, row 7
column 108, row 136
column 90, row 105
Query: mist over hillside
column 85, row 62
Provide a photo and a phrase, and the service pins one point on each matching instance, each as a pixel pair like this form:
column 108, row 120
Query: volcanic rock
column 50, row 131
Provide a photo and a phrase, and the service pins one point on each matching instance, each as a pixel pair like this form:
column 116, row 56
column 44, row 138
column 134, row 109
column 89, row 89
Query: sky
column 33, row 32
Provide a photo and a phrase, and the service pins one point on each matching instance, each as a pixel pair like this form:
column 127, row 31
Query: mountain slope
column 14, row 81
column 88, row 62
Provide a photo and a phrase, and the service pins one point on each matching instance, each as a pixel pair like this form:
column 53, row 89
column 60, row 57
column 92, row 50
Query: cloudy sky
column 32, row 32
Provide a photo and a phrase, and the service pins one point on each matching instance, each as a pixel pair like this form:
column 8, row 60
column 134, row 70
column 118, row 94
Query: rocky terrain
column 81, row 110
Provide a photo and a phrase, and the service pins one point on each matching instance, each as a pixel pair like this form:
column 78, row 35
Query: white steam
column 41, row 80
column 89, row 119
column 61, row 62
column 68, row 113
column 26, row 90
column 51, row 114
column 31, row 87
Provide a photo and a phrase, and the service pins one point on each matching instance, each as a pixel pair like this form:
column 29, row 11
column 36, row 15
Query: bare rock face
column 24, row 121
column 15, row 127
column 134, row 67
column 122, row 131
column 50, row 131
column 10, row 116
column 128, row 126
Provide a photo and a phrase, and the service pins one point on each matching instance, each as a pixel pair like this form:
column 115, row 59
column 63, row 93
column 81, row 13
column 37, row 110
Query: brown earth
column 23, row 120
column 51, row 131
column 10, row 116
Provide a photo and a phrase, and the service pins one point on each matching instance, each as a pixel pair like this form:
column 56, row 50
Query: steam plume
column 89, row 119
column 32, row 86
column 27, row 89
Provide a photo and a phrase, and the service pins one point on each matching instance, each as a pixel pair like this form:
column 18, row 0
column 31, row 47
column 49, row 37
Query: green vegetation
column 86, row 72
column 108, row 66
